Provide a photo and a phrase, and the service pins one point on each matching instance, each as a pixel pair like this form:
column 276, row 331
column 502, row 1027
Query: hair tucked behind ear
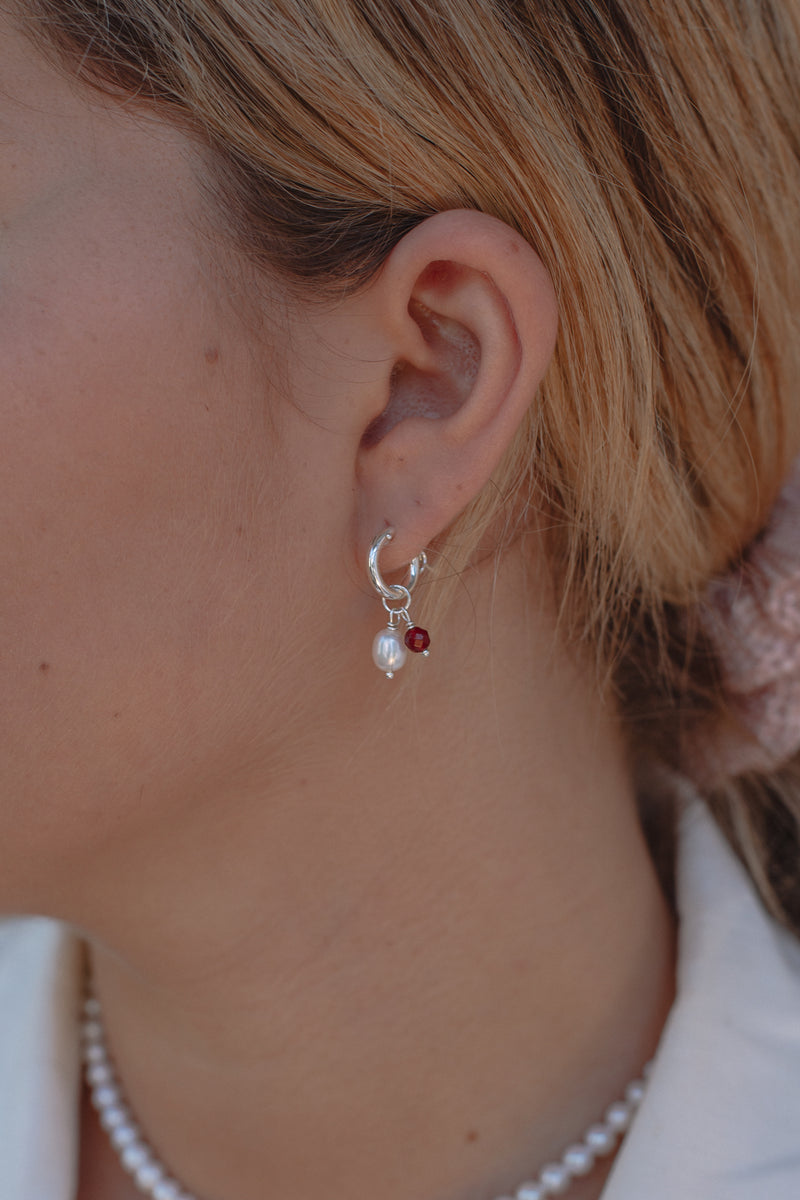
column 650, row 154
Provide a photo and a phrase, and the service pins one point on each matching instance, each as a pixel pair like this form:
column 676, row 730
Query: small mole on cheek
column 472, row 1135
column 116, row 715
column 212, row 355
column 44, row 667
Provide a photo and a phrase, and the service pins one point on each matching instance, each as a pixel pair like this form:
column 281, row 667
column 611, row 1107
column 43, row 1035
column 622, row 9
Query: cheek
column 103, row 441
column 124, row 554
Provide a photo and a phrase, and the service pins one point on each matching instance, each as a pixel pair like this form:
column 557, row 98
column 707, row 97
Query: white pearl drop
column 634, row 1093
column 95, row 1053
column 530, row 1191
column 555, row 1179
column 600, row 1139
column 618, row 1116
column 388, row 652
column 578, row 1160
column 92, row 1031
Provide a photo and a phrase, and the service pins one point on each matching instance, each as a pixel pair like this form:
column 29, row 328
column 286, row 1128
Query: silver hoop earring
column 389, row 647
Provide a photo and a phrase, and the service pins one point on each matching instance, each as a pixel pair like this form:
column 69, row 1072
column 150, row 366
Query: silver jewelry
column 153, row 1179
column 389, row 647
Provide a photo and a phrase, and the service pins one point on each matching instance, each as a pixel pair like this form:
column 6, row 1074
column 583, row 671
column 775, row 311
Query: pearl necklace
column 154, row 1180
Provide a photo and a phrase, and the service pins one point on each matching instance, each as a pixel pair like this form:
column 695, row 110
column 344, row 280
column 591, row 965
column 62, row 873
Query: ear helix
column 390, row 646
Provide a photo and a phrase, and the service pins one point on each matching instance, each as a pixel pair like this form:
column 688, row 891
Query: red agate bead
column 417, row 639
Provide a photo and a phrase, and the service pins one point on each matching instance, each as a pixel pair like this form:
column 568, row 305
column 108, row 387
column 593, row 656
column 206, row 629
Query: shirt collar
column 40, row 978
column 721, row 1117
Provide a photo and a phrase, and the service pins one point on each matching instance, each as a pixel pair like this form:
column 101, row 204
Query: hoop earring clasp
column 393, row 591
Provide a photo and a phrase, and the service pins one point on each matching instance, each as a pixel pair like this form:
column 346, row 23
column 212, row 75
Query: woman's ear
column 470, row 315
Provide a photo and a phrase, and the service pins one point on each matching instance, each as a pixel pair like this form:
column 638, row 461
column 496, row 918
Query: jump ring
column 402, row 608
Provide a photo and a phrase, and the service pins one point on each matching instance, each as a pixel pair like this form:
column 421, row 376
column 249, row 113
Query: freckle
column 44, row 667
column 472, row 1135
column 212, row 354
column 240, row 529
column 116, row 715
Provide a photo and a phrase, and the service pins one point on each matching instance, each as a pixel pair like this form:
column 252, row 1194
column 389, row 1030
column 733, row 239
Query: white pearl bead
column 99, row 1073
column 124, row 1135
column 95, row 1053
column 92, row 1031
column 555, row 1179
column 530, row 1191
column 600, row 1139
column 634, row 1093
column 618, row 1116
column 388, row 652
column 579, row 1160
column 112, row 1117
column 105, row 1096
column 135, row 1156
column 148, row 1175
column 91, row 1007
column 167, row 1190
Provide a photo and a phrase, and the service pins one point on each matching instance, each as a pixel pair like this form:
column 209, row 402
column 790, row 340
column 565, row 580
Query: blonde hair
column 649, row 152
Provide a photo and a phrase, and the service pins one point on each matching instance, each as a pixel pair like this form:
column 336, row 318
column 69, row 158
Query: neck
column 419, row 965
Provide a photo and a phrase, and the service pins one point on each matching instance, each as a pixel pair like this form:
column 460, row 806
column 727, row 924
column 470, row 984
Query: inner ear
column 439, row 387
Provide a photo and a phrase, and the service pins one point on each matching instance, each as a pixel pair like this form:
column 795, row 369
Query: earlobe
column 475, row 319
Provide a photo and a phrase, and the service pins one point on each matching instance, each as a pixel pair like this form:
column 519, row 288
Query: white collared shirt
column 720, row 1121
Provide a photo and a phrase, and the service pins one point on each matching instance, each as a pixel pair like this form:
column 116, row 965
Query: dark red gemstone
column 417, row 639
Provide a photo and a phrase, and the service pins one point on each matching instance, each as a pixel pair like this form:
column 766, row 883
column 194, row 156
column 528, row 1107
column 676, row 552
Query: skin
column 351, row 936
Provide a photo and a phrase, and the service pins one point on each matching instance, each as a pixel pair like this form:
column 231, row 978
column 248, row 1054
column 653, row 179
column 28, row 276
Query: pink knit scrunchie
column 752, row 617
